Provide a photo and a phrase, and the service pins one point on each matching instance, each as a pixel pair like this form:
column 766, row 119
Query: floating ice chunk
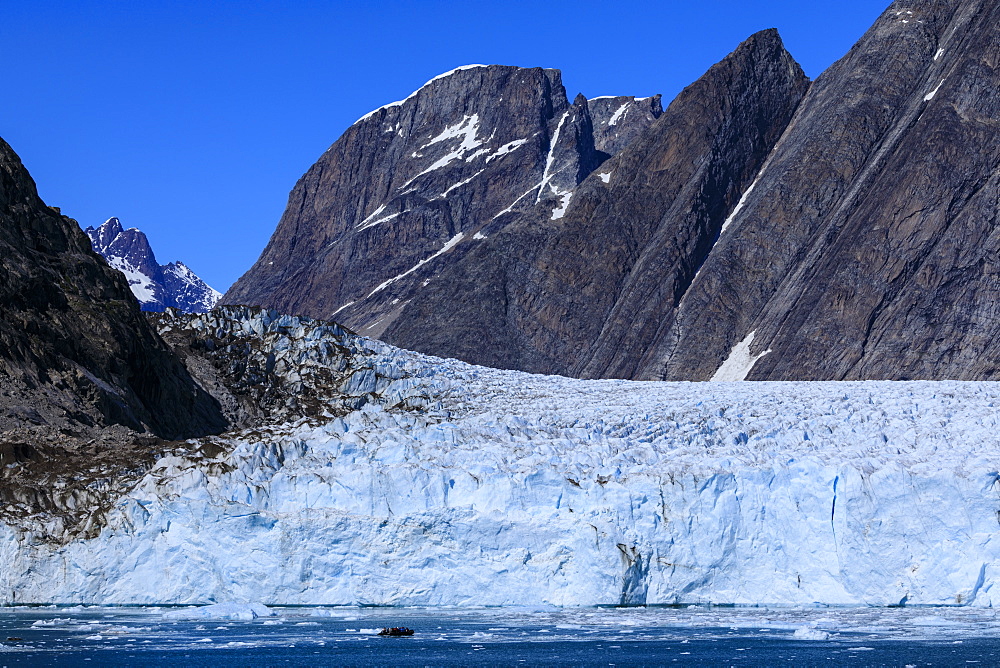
column 740, row 362
column 56, row 621
column 807, row 633
column 933, row 620
column 244, row 611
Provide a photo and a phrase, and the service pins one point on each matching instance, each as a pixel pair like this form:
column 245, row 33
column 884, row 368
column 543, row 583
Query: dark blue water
column 502, row 637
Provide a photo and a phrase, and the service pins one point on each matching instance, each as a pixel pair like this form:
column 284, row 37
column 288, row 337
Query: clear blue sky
column 193, row 120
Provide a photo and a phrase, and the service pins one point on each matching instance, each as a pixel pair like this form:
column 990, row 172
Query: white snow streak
column 478, row 236
column 459, row 184
column 341, row 308
column 740, row 204
column 606, row 177
column 930, row 95
column 451, row 243
column 739, row 363
column 618, row 114
column 939, row 53
column 467, row 129
column 507, row 148
column 550, row 158
column 368, row 222
column 374, row 214
column 526, row 193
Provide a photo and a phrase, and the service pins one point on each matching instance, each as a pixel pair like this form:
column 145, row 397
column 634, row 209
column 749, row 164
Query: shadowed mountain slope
column 75, row 350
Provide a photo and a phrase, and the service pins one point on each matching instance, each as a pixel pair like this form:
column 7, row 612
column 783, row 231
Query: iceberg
column 506, row 488
column 240, row 611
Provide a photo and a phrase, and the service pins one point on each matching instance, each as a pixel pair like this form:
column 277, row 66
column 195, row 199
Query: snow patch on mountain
column 618, row 114
column 142, row 286
column 560, row 211
column 740, row 362
column 448, row 245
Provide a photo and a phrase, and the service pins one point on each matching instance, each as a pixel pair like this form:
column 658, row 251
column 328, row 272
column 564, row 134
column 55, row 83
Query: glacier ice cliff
column 505, row 488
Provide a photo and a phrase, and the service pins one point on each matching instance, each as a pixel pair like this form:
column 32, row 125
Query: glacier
column 461, row 485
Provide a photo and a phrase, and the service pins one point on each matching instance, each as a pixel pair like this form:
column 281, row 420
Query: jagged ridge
column 156, row 286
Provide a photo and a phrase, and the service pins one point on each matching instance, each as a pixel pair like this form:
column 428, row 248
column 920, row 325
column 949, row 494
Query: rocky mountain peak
column 155, row 286
column 584, row 290
column 760, row 227
column 418, row 183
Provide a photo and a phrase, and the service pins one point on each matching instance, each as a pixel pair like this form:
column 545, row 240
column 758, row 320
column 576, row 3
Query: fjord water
column 60, row 636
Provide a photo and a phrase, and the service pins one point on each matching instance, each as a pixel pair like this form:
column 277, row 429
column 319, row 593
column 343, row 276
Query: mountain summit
column 416, row 185
column 156, row 286
column 761, row 227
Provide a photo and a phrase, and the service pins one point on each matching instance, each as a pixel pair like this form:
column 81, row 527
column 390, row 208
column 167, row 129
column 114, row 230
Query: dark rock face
column 76, row 354
column 868, row 248
column 758, row 228
column 417, row 185
column 268, row 369
column 583, row 293
column 156, row 286
column 620, row 119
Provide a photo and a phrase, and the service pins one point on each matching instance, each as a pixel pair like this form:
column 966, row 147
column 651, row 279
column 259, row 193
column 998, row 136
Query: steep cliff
column 583, row 291
column 759, row 228
column 868, row 248
column 82, row 373
column 418, row 184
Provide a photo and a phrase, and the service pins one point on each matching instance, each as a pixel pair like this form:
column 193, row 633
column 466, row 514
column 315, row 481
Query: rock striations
column 559, row 294
column 156, row 286
column 868, row 248
column 759, row 228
